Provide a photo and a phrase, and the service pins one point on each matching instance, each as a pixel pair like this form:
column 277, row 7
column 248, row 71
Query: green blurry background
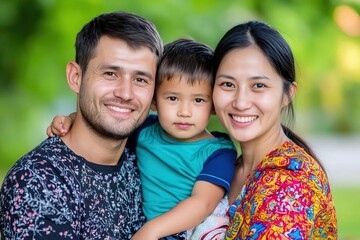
column 37, row 40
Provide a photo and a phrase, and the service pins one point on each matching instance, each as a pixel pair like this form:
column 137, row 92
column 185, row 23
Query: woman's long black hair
column 278, row 53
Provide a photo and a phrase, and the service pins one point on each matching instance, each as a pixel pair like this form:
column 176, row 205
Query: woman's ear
column 292, row 91
column 73, row 75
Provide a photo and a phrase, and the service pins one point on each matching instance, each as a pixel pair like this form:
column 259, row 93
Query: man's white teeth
column 244, row 119
column 117, row 109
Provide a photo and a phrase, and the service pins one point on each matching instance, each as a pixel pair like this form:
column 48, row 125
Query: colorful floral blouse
column 286, row 197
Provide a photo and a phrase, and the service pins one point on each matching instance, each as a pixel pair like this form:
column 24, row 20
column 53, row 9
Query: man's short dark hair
column 136, row 31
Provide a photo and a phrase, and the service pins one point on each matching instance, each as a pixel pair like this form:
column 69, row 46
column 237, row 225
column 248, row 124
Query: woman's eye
column 227, row 84
column 259, row 85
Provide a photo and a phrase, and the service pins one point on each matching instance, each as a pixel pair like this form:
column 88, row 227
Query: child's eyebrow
column 202, row 95
column 171, row 92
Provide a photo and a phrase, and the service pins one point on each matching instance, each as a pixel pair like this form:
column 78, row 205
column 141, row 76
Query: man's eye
column 110, row 75
column 140, row 80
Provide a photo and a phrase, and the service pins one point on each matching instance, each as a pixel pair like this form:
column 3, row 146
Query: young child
column 184, row 169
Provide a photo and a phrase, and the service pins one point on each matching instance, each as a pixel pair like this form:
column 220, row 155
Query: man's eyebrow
column 144, row 73
column 110, row 66
column 119, row 68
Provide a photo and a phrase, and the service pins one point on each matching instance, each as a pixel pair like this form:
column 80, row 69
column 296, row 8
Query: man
column 85, row 185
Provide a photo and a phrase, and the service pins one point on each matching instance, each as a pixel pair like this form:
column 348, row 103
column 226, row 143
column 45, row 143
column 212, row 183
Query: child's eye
column 172, row 98
column 199, row 100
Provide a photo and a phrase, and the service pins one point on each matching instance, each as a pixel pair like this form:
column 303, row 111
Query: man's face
column 117, row 88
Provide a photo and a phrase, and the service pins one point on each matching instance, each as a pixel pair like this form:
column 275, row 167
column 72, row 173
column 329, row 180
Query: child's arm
column 60, row 125
column 186, row 215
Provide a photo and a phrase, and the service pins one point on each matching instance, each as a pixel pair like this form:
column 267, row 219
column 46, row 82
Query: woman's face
column 248, row 95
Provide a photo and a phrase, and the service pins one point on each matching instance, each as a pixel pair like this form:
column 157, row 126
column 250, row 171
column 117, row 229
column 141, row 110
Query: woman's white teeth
column 244, row 119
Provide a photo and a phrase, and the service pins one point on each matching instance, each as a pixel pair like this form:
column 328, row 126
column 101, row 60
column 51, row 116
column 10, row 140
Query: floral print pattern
column 287, row 196
column 53, row 193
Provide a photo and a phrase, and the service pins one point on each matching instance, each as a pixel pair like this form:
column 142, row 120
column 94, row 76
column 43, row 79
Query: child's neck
column 203, row 135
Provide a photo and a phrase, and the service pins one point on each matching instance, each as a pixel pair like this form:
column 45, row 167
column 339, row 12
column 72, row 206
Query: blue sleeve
column 219, row 168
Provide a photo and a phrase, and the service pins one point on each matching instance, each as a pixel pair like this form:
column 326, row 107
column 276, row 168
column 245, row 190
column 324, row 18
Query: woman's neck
column 253, row 152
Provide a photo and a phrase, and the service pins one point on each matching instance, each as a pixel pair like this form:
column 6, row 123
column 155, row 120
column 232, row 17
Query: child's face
column 184, row 109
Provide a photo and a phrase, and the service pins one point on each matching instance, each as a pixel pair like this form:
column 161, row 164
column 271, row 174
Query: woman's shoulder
column 290, row 156
column 291, row 165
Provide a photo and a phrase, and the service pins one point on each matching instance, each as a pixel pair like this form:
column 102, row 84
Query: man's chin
column 116, row 134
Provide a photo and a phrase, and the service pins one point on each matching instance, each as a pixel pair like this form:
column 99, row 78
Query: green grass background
column 347, row 203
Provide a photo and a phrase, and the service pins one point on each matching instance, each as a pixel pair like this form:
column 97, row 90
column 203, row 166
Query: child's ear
column 153, row 105
column 73, row 75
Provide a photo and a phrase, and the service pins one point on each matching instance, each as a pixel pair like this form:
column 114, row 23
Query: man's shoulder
column 50, row 150
column 129, row 156
column 48, row 158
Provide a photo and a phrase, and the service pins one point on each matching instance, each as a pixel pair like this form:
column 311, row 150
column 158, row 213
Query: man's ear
column 153, row 105
column 73, row 75
column 292, row 91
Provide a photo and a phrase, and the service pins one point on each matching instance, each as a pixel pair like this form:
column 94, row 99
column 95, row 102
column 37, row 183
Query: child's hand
column 59, row 126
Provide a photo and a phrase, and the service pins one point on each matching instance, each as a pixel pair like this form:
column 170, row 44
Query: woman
column 280, row 189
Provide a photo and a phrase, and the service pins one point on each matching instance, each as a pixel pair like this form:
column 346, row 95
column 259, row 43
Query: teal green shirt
column 169, row 169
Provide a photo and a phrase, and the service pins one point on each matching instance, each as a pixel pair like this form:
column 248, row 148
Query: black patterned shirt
column 52, row 193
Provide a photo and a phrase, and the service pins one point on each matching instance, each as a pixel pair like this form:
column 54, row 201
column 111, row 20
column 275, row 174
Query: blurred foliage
column 37, row 40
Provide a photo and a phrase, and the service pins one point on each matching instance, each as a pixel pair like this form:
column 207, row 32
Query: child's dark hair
column 187, row 59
